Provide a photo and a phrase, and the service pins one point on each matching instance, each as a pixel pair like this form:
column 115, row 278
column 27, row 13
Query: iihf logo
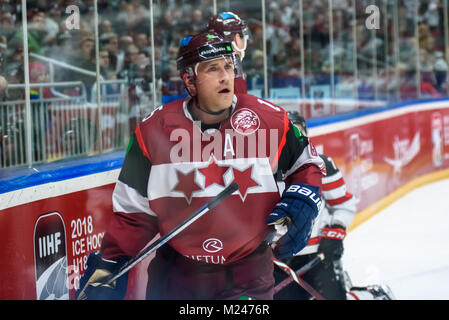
column 50, row 258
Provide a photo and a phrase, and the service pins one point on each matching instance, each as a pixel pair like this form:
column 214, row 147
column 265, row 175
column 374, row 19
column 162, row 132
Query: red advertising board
column 379, row 156
column 51, row 235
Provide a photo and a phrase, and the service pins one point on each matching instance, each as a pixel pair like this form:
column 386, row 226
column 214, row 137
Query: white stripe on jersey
column 332, row 178
column 344, row 213
column 127, row 200
column 335, row 193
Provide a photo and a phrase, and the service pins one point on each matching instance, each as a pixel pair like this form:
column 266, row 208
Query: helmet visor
column 247, row 35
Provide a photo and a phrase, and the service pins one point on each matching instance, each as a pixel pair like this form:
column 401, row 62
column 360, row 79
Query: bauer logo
column 50, row 258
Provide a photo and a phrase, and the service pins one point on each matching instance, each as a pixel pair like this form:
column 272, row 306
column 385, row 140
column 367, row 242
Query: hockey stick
column 312, row 263
column 296, row 276
column 170, row 235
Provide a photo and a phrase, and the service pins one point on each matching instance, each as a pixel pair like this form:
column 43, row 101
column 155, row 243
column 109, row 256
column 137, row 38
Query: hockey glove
column 92, row 283
column 297, row 211
column 331, row 243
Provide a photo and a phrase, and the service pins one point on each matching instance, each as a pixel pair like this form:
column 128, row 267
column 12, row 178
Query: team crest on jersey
column 245, row 121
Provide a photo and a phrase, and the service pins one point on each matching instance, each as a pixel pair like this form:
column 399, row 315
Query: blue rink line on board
column 316, row 122
column 12, row 179
column 20, row 178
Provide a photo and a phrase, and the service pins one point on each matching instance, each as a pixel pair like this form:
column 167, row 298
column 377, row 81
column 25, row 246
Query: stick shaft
column 175, row 231
column 296, row 276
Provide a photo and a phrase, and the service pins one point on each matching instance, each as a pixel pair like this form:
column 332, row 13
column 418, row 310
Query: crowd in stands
column 125, row 43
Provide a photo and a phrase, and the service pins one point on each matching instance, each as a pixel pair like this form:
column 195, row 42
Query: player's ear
column 239, row 41
column 189, row 83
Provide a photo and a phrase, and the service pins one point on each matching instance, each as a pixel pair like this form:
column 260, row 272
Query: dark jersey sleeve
column 299, row 163
column 133, row 224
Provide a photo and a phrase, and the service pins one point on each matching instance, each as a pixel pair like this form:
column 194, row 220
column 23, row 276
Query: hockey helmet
column 296, row 118
column 201, row 47
column 227, row 24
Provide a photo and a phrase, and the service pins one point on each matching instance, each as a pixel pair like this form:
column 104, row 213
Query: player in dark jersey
column 328, row 233
column 235, row 30
column 180, row 157
column 327, row 236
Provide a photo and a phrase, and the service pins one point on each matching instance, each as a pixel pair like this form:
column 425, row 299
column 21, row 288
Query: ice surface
column 405, row 246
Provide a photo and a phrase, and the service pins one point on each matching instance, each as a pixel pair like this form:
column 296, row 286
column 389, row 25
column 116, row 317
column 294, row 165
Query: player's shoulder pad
column 331, row 168
column 165, row 113
column 258, row 103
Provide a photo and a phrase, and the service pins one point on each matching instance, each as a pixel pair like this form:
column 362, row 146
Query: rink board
column 53, row 217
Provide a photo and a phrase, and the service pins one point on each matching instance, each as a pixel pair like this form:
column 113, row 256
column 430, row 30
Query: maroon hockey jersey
column 172, row 168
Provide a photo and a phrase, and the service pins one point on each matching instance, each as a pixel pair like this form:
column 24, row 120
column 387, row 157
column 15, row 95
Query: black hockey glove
column 296, row 211
column 92, row 283
column 331, row 244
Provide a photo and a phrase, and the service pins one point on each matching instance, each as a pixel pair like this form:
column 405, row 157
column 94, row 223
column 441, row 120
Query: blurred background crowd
column 315, row 49
column 409, row 39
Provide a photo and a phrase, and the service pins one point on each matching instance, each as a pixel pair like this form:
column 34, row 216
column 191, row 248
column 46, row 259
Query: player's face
column 215, row 83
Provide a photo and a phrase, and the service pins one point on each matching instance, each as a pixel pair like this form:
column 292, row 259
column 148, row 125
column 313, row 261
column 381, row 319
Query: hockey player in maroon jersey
column 181, row 156
column 327, row 236
column 235, row 30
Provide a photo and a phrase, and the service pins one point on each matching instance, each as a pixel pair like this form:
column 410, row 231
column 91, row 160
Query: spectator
column 15, row 76
column 106, row 72
column 197, row 22
column 142, row 41
column 3, row 47
column 128, row 17
column 39, row 74
column 82, row 57
column 36, row 32
column 254, row 71
column 7, row 27
column 62, row 51
column 52, row 22
column 105, row 27
column 110, row 42
column 103, row 56
column 124, row 42
column 14, row 54
column 441, row 68
column 3, row 88
column 167, row 29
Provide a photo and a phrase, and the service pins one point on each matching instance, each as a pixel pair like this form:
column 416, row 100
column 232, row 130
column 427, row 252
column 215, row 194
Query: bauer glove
column 296, row 212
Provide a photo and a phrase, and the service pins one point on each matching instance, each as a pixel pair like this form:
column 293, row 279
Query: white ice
column 405, row 246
